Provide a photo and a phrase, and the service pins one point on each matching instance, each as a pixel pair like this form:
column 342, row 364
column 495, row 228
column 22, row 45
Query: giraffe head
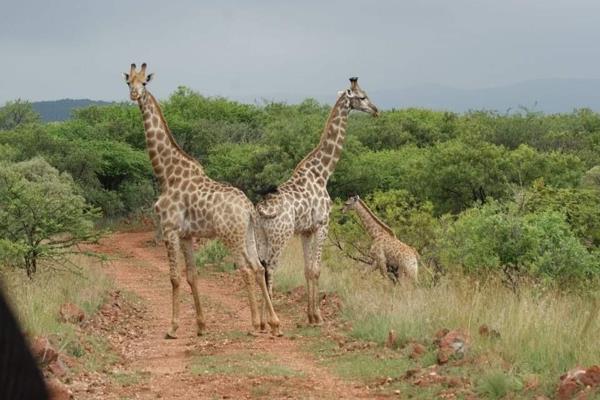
column 137, row 80
column 359, row 100
column 350, row 203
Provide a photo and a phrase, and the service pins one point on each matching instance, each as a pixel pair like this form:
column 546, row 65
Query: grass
column 37, row 302
column 248, row 364
column 214, row 254
column 541, row 333
column 360, row 365
column 125, row 379
column 498, row 384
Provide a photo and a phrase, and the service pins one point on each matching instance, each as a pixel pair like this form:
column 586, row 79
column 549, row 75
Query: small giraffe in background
column 193, row 205
column 390, row 255
column 301, row 205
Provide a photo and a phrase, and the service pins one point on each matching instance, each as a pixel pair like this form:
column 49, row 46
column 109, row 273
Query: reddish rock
column 417, row 351
column 43, row 351
column 58, row 390
column 484, row 330
column 578, row 383
column 567, row 389
column 591, row 376
column 392, row 340
column 452, row 344
column 487, row 332
column 58, row 368
column 70, row 312
column 441, row 333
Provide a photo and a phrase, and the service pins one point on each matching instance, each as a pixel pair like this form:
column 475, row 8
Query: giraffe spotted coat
column 390, row 256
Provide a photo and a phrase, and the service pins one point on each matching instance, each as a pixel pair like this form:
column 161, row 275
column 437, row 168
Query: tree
column 15, row 113
column 41, row 215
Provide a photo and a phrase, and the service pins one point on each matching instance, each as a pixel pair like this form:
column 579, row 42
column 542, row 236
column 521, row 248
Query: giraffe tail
column 270, row 207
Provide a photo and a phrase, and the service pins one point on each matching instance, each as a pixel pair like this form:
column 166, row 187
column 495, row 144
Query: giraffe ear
column 149, row 77
column 126, row 76
column 350, row 93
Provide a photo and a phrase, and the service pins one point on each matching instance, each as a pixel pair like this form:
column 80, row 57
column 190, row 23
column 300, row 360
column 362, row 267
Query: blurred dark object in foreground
column 20, row 377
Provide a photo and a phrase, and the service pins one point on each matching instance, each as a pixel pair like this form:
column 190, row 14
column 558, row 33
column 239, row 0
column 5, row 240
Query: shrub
column 498, row 238
column 41, row 214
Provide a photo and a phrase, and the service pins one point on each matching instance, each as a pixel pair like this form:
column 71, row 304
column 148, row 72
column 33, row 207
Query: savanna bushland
column 504, row 209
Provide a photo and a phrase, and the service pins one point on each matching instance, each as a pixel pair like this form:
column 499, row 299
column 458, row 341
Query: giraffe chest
column 310, row 212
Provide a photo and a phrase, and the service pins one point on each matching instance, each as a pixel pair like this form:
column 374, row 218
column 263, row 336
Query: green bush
column 42, row 216
column 502, row 238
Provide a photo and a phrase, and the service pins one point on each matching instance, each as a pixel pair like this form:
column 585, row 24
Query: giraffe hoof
column 263, row 327
column 171, row 335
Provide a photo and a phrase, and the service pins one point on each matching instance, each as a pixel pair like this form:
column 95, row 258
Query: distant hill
column 60, row 110
column 547, row 95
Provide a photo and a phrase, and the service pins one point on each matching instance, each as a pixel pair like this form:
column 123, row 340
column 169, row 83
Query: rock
column 417, row 351
column 43, row 351
column 392, row 339
column 58, row 368
column 591, row 376
column 578, row 381
column 70, row 312
column 453, row 344
column 441, row 333
column 485, row 331
column 57, row 390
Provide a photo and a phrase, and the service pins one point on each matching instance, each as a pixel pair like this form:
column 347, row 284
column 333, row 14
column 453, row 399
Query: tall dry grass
column 37, row 301
column 541, row 333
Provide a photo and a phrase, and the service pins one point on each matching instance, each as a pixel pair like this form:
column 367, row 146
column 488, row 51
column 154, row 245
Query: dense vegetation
column 515, row 195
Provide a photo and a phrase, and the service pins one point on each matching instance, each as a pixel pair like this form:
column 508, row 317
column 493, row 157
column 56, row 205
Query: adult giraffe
column 302, row 204
column 193, row 205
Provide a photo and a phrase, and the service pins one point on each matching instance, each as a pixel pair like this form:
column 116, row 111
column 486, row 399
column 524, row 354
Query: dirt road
column 226, row 363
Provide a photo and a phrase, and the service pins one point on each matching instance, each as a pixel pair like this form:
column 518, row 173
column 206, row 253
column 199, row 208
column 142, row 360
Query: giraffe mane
column 376, row 219
column 323, row 136
column 170, row 134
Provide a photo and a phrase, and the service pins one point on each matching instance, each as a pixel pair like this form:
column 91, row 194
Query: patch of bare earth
column 152, row 367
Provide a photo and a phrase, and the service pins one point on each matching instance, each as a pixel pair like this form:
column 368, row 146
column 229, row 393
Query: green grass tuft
column 497, row 385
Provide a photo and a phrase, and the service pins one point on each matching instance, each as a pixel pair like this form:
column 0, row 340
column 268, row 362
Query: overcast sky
column 78, row 48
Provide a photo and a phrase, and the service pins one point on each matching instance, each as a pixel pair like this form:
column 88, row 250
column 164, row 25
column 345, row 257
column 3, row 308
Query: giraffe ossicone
column 191, row 205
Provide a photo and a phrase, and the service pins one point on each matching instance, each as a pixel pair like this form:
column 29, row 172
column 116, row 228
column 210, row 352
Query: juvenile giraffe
column 193, row 205
column 389, row 254
column 301, row 205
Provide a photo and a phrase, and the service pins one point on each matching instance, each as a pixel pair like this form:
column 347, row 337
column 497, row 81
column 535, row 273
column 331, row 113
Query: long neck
column 165, row 154
column 323, row 158
column 374, row 226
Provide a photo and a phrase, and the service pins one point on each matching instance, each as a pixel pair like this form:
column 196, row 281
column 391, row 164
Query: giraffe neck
column 163, row 150
column 323, row 159
column 374, row 226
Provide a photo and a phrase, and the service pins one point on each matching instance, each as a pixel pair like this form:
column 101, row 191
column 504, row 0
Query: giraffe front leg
column 187, row 246
column 307, row 241
column 320, row 237
column 172, row 244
